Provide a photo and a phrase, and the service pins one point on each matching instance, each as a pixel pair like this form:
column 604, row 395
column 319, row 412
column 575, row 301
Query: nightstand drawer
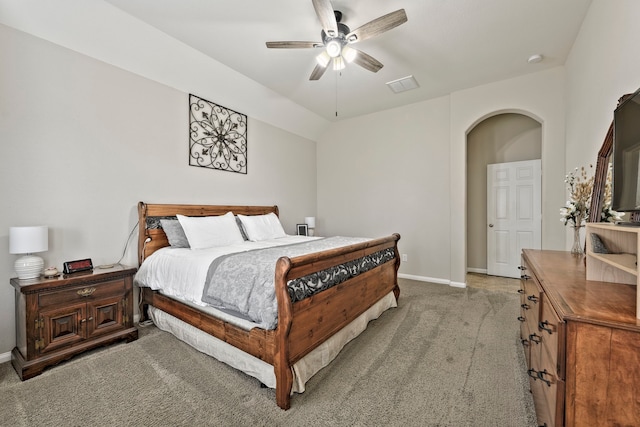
column 82, row 293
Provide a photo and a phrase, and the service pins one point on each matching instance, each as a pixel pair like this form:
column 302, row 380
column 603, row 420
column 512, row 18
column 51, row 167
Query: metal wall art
column 217, row 136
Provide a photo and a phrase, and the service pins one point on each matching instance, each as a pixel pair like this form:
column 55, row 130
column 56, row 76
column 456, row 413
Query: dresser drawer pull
column 533, row 373
column 524, row 342
column 521, row 291
column 535, row 338
column 520, row 318
column 525, row 306
column 533, row 298
column 541, row 375
column 543, row 326
column 525, row 277
column 86, row 292
column 522, row 267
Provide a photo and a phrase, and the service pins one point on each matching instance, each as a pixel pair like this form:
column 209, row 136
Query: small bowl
column 50, row 272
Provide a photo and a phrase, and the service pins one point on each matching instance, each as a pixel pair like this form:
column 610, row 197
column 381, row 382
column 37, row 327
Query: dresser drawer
column 530, row 306
column 552, row 329
column 82, row 293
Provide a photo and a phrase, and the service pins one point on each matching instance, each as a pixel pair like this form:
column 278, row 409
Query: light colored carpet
column 444, row 357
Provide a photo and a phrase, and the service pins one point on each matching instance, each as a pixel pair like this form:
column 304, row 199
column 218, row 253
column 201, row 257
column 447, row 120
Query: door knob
column 490, row 225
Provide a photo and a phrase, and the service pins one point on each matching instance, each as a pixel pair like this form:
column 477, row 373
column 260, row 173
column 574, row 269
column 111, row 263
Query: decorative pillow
column 210, row 231
column 597, row 245
column 175, row 233
column 262, row 227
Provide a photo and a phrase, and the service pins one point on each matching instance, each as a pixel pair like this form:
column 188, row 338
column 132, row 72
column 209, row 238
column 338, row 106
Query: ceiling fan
column 337, row 39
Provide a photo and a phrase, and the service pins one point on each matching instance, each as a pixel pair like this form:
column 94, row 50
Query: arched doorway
column 502, row 138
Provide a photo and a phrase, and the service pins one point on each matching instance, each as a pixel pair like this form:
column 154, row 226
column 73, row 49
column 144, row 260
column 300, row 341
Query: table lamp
column 311, row 224
column 28, row 240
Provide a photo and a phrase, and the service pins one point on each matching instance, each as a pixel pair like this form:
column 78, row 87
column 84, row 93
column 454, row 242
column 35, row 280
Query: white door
column 514, row 214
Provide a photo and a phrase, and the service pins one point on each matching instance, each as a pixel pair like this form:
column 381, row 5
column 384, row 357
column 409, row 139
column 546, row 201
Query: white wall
column 388, row 172
column 102, row 31
column 83, row 141
column 404, row 170
column 603, row 65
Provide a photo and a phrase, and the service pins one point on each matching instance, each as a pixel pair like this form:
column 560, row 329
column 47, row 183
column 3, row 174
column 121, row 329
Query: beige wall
column 388, row 172
column 82, row 142
column 499, row 139
column 603, row 65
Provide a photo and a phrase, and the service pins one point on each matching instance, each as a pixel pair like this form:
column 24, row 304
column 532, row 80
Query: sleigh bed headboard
column 151, row 236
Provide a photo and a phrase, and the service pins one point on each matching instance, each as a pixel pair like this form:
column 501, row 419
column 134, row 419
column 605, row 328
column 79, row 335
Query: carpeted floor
column 445, row 357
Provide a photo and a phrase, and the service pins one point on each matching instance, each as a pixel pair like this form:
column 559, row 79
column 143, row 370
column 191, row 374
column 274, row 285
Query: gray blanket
column 243, row 283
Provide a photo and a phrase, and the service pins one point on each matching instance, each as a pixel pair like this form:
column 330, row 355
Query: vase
column 577, row 248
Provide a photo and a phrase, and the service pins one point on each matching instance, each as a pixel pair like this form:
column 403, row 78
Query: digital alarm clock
column 70, row 267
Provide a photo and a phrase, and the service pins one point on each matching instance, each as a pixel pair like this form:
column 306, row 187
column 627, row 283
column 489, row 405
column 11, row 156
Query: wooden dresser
column 60, row 317
column 582, row 343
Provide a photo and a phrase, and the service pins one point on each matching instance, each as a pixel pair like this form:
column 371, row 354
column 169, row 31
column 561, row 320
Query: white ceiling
column 447, row 45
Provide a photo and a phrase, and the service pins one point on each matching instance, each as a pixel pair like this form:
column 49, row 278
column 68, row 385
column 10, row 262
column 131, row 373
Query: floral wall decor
column 217, row 136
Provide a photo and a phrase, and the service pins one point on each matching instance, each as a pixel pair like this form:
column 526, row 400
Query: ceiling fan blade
column 377, row 26
column 367, row 61
column 317, row 72
column 327, row 18
column 293, row 45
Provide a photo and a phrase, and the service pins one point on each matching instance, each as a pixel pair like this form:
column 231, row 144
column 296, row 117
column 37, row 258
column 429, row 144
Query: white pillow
column 262, row 227
column 210, row 231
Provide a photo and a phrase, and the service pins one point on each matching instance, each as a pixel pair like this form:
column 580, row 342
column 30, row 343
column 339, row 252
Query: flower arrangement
column 576, row 210
column 608, row 214
column 580, row 187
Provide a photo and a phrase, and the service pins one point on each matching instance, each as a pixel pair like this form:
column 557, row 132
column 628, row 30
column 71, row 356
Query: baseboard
column 477, row 270
column 5, row 357
column 432, row 280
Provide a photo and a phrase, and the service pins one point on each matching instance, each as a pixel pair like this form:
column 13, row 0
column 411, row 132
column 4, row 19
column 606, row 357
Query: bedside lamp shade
column 28, row 240
column 311, row 224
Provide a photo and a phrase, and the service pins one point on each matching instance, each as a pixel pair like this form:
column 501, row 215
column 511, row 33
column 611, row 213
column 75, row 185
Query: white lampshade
column 310, row 221
column 28, row 240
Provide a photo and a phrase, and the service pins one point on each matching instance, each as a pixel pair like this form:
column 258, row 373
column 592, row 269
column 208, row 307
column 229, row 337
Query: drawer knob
column 535, row 338
column 525, row 277
column 86, row 292
column 533, row 298
column 521, row 291
column 525, row 306
column 522, row 267
column 520, row 318
column 546, row 326
column 541, row 375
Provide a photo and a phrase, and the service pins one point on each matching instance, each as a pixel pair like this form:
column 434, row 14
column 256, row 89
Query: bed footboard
column 304, row 325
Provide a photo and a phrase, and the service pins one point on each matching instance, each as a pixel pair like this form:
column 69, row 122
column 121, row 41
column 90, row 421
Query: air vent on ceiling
column 403, row 84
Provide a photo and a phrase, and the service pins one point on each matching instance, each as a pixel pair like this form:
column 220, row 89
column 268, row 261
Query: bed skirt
column 303, row 370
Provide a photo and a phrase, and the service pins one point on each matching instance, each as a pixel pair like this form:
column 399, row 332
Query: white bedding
column 182, row 272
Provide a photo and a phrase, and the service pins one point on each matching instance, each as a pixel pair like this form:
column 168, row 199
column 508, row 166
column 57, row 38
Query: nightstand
column 61, row 317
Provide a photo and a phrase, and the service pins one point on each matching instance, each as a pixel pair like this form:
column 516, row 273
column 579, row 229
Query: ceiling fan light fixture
column 338, row 63
column 334, row 48
column 349, row 54
column 323, row 59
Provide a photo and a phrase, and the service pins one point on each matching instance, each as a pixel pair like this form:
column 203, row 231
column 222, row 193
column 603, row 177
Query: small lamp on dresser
column 27, row 241
column 311, row 224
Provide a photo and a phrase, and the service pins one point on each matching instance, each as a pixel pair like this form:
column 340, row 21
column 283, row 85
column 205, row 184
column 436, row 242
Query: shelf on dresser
column 619, row 266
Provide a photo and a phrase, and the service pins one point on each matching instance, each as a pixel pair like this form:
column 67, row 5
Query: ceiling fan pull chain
column 338, row 73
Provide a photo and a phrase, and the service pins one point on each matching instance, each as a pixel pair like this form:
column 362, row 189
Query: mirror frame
column 600, row 177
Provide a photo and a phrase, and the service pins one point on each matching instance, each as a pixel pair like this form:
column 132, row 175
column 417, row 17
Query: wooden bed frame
column 302, row 326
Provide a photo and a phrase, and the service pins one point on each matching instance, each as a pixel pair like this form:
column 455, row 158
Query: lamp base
column 29, row 266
